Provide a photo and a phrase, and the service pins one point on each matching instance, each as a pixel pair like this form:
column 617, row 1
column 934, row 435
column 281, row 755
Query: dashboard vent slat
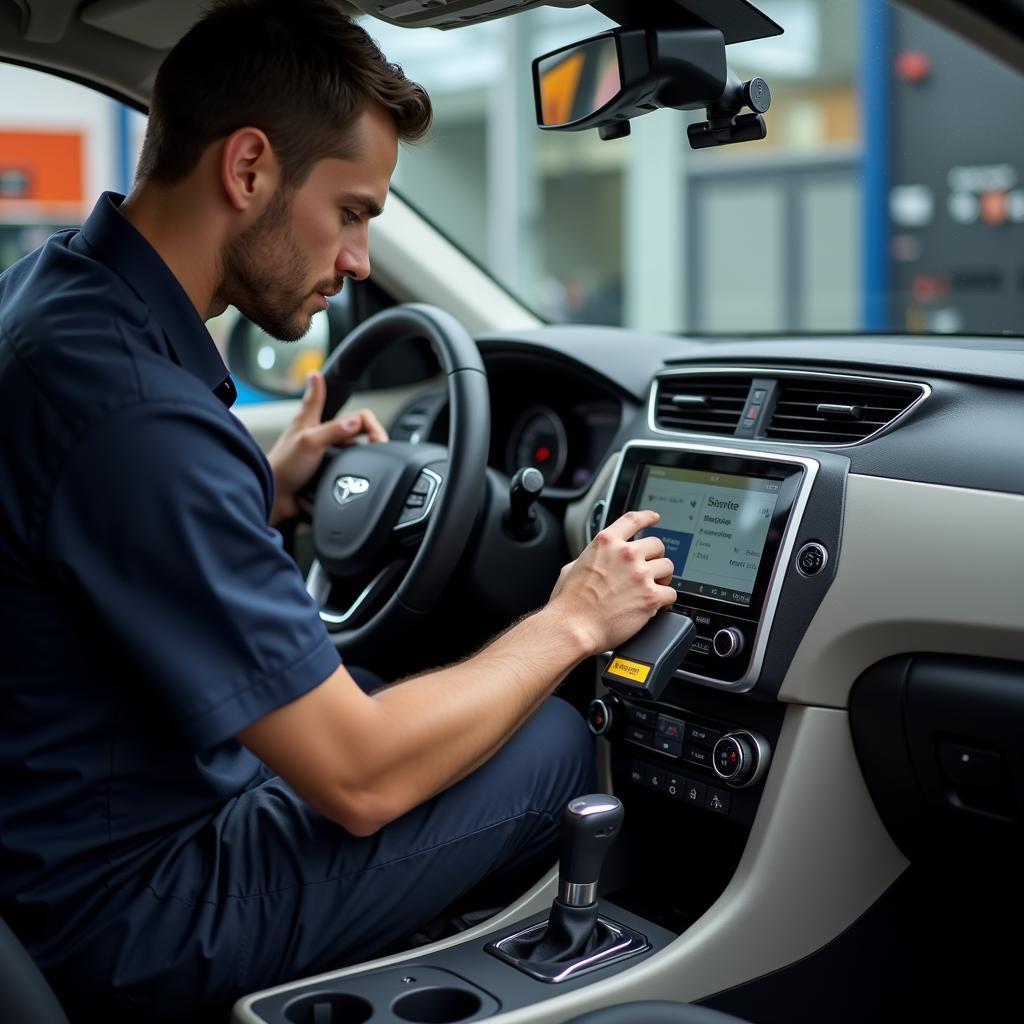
column 697, row 404
column 809, row 410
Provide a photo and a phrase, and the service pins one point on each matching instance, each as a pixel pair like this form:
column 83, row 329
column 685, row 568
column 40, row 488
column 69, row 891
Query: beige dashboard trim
column 923, row 567
column 578, row 512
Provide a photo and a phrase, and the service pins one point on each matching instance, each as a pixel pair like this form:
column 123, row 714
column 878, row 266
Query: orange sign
column 41, row 168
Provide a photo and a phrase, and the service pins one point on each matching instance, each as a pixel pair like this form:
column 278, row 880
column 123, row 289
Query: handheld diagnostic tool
column 645, row 664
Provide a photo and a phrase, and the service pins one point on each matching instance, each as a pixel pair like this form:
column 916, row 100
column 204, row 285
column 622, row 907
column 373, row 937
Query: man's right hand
column 617, row 584
column 364, row 760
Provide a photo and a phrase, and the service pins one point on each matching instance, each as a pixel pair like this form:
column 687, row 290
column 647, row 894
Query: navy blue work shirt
column 148, row 612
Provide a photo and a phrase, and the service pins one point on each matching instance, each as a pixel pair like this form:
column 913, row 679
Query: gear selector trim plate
column 625, row 942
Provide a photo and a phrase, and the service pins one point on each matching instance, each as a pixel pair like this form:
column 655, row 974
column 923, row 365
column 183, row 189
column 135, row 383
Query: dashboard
column 830, row 505
column 549, row 414
column 816, row 787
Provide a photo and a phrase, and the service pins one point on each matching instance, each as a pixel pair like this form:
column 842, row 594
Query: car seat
column 27, row 995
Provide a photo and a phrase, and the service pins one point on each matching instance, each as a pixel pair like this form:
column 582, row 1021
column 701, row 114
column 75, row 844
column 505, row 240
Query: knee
column 563, row 745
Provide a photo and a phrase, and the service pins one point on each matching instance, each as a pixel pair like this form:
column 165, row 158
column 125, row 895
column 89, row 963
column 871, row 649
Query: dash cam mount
column 726, row 124
column 607, row 80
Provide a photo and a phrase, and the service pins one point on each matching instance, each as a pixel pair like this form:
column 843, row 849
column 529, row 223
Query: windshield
column 887, row 196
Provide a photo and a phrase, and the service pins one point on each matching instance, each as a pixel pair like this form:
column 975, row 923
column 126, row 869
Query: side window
column 61, row 145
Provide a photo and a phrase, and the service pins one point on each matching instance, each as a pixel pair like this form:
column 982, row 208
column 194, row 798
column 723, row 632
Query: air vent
column 697, row 404
column 817, row 410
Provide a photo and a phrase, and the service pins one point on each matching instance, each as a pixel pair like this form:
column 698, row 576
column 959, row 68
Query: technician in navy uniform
column 196, row 799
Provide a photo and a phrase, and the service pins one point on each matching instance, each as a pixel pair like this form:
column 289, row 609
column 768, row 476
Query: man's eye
column 349, row 217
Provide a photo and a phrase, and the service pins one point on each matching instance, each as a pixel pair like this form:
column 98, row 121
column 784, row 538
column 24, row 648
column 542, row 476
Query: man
column 196, row 798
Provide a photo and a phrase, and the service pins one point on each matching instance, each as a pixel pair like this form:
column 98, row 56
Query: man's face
column 280, row 271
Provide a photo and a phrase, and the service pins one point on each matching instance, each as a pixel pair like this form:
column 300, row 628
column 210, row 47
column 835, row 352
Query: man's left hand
column 296, row 454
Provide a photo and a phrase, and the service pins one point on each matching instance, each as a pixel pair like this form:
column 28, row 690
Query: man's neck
column 172, row 220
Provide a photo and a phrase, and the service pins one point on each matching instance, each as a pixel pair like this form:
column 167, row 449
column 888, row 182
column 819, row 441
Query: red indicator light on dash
column 542, row 454
column 732, row 756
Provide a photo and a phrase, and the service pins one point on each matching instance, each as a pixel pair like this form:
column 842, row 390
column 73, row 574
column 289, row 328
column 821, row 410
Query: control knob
column 728, row 642
column 740, row 758
column 601, row 714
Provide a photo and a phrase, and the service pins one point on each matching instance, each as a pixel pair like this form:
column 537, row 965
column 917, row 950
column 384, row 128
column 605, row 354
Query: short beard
column 265, row 274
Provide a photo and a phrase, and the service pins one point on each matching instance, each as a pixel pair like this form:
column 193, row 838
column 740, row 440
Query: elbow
column 361, row 814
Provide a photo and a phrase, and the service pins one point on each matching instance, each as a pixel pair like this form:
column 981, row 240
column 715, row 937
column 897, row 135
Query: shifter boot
column 572, row 934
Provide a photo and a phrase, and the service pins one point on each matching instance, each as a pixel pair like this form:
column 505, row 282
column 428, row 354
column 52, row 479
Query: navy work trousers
column 294, row 894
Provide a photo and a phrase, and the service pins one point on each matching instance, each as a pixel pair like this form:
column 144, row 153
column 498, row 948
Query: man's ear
column 249, row 171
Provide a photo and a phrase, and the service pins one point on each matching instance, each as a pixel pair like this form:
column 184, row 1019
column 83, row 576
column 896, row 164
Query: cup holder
column 408, row 994
column 436, row 1005
column 330, row 1008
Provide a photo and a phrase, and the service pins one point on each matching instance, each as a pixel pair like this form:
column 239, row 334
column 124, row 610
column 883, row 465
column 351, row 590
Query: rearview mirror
column 577, row 82
column 605, row 81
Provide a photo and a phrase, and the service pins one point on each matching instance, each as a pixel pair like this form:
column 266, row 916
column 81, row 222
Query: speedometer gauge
column 538, row 439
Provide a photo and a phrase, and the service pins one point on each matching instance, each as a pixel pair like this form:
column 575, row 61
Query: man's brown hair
column 299, row 70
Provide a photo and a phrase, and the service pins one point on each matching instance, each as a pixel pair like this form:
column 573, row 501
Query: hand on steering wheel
column 298, row 452
column 373, row 502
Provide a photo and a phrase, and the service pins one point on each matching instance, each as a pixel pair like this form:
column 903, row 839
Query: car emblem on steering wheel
column 348, row 488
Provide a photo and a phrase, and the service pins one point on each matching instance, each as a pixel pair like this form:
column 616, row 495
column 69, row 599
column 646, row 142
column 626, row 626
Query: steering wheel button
column 416, row 501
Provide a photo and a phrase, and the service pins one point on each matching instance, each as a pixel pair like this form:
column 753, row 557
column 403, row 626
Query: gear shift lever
column 574, row 938
column 589, row 827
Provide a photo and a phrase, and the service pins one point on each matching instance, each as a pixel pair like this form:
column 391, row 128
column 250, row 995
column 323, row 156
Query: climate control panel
column 683, row 755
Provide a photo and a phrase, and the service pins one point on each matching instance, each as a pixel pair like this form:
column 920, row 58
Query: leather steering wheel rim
column 461, row 495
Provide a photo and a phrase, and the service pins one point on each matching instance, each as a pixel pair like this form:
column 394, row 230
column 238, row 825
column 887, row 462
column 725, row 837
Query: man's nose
column 354, row 262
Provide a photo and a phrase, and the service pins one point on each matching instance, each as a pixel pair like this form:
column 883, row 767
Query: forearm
column 365, row 760
column 435, row 729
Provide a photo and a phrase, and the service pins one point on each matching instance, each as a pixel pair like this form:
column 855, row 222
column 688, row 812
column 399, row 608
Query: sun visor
column 451, row 13
column 151, row 23
column 738, row 20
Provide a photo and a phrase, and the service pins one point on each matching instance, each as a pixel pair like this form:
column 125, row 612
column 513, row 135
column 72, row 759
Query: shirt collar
column 117, row 244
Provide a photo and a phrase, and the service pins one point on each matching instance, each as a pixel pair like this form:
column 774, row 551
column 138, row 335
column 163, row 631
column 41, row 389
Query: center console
column 728, row 522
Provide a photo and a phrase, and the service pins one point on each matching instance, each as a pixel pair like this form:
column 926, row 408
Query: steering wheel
column 396, row 516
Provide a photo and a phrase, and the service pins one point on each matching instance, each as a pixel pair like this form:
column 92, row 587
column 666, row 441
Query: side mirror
column 605, row 81
column 277, row 367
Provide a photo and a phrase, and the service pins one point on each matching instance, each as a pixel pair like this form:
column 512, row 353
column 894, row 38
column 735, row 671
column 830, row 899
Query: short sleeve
column 159, row 522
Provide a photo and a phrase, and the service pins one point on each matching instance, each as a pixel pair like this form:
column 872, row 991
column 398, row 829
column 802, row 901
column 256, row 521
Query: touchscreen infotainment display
column 714, row 527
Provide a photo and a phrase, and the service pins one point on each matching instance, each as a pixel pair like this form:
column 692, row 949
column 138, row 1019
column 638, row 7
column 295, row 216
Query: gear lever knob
column 525, row 488
column 589, row 827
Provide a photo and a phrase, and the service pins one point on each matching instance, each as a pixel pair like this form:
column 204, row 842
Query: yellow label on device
column 634, row 671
